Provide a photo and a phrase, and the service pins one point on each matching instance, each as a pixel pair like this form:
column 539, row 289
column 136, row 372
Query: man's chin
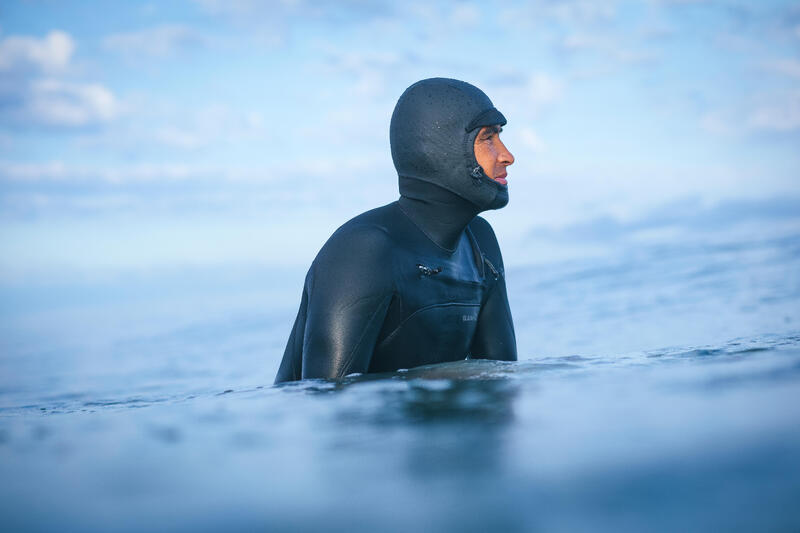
column 500, row 199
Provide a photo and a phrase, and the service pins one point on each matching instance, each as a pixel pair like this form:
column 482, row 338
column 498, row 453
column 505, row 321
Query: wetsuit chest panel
column 434, row 314
column 434, row 334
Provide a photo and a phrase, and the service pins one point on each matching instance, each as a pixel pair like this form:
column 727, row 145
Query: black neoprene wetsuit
column 420, row 280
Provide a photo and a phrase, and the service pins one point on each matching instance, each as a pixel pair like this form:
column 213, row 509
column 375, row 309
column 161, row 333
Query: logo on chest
column 469, row 318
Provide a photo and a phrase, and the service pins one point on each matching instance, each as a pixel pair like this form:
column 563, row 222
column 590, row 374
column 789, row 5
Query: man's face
column 491, row 154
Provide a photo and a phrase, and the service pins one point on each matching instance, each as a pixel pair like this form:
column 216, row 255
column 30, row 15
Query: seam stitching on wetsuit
column 345, row 369
column 412, row 315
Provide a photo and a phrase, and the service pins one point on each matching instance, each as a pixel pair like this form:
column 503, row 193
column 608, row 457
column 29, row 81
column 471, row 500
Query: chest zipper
column 492, row 268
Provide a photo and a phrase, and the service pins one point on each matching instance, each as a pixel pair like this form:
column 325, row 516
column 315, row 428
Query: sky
column 138, row 136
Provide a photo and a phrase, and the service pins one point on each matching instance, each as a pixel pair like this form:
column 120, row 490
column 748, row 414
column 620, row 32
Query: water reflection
column 465, row 391
column 443, row 421
column 697, row 433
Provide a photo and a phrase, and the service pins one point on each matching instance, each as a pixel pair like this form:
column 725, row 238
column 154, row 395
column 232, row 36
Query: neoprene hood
column 432, row 136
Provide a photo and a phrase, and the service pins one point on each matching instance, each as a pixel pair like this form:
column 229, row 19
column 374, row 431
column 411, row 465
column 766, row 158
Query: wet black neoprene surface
column 421, row 280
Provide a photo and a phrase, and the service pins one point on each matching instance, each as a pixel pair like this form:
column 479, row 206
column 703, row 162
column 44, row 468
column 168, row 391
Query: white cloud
column 318, row 169
column 266, row 24
column 368, row 70
column 582, row 41
column 207, row 127
column 781, row 115
column 50, row 54
column 786, row 67
column 465, row 15
column 570, row 13
column 358, row 61
column 58, row 171
column 61, row 103
column 576, row 11
column 179, row 138
column 160, row 41
column 532, row 141
column 611, row 48
column 543, row 89
column 32, row 171
column 258, row 10
column 717, row 123
column 237, row 8
column 35, row 93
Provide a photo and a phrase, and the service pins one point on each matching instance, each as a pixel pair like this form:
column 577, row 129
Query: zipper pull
column 427, row 271
column 492, row 268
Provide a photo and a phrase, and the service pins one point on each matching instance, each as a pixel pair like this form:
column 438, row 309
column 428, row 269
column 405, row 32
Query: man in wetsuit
column 421, row 280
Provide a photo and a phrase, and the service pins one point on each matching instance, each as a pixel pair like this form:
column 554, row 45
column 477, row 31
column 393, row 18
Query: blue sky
column 141, row 135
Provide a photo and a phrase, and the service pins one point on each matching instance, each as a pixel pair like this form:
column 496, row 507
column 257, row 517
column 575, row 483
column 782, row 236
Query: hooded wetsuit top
column 421, row 280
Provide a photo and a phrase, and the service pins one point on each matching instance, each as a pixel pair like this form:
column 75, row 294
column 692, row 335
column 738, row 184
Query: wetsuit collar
column 440, row 214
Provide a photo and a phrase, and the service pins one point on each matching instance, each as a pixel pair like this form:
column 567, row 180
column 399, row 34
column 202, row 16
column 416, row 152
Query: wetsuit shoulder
column 346, row 293
column 359, row 245
column 348, row 290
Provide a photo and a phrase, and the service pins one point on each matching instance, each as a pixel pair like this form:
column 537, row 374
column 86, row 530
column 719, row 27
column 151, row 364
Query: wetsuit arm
column 349, row 291
column 494, row 335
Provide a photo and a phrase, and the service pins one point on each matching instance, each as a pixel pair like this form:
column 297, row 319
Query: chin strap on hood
column 432, row 134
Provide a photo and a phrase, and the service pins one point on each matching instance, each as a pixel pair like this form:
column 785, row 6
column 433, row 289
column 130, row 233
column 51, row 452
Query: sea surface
column 658, row 389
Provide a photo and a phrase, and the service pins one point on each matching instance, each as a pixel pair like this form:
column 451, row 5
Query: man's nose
column 505, row 157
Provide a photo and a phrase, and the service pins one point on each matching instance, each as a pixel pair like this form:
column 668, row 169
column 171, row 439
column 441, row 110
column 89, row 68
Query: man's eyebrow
column 494, row 129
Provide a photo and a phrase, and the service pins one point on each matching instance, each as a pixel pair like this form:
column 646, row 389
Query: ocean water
column 658, row 388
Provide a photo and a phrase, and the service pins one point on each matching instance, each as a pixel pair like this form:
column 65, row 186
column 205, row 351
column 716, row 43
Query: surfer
column 420, row 280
